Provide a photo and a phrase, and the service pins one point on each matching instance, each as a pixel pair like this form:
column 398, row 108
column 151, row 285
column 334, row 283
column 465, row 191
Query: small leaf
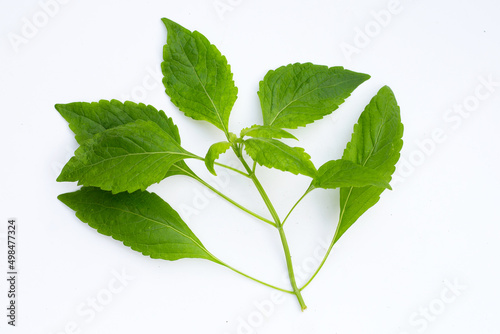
column 266, row 131
column 298, row 94
column 375, row 143
column 141, row 220
column 124, row 158
column 197, row 76
column 180, row 168
column 274, row 154
column 345, row 173
column 213, row 154
column 87, row 119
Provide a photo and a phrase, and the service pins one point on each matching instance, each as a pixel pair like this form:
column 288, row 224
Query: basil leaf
column 197, row 76
column 298, row 94
column 274, row 154
column 213, row 154
column 141, row 220
column 266, row 131
column 87, row 119
column 124, row 158
column 375, row 143
column 345, row 173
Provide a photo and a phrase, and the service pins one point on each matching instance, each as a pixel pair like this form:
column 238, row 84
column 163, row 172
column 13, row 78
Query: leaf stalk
column 278, row 225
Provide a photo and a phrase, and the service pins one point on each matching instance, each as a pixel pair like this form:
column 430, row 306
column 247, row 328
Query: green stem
column 322, row 262
column 233, row 169
column 222, row 165
column 279, row 226
column 293, row 207
column 289, row 265
column 194, row 176
column 334, row 240
column 265, row 220
column 254, row 279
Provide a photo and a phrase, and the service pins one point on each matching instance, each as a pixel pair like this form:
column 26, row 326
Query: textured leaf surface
column 298, row 94
column 87, row 119
column 345, row 173
column 375, row 143
column 264, row 131
column 213, row 154
column 141, row 220
column 197, row 76
column 274, row 154
column 180, row 168
column 124, row 158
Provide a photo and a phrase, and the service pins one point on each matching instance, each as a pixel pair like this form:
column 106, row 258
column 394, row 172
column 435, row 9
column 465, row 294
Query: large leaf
column 345, row 173
column 124, row 158
column 298, row 94
column 197, row 76
column 274, row 154
column 87, row 119
column 213, row 154
column 264, row 131
column 375, row 143
column 141, row 220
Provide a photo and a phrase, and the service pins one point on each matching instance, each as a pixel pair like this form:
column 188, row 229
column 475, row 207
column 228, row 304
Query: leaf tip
column 210, row 166
column 65, row 198
column 166, row 21
column 62, row 177
column 173, row 26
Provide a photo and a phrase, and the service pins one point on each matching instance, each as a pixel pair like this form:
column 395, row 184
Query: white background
column 389, row 274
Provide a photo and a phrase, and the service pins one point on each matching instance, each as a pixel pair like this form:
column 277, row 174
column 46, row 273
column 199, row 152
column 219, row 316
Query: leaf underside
column 375, row 143
column 298, row 94
column 141, row 220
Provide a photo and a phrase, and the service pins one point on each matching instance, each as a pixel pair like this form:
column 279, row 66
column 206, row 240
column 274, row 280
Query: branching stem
column 293, row 207
column 254, row 279
column 236, row 204
column 334, row 240
column 278, row 225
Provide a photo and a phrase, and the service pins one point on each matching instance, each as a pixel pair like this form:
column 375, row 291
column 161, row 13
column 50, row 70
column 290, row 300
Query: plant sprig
column 126, row 147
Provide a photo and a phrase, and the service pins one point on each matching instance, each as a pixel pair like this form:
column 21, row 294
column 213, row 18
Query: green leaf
column 345, row 173
column 87, row 119
column 266, row 131
column 180, row 168
column 124, row 158
column 274, row 154
column 197, row 76
column 213, row 154
column 375, row 143
column 298, row 94
column 141, row 220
